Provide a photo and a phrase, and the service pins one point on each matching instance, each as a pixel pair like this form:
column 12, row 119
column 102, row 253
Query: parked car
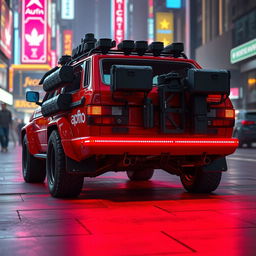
column 136, row 108
column 245, row 127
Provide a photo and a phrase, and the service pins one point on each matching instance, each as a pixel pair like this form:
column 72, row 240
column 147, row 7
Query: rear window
column 159, row 67
column 251, row 116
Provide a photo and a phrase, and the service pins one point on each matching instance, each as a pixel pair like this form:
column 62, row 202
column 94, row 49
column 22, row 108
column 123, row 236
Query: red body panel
column 89, row 146
column 81, row 140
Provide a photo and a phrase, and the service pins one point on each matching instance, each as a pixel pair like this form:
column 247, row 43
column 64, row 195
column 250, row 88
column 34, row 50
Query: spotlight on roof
column 64, row 59
column 175, row 49
column 141, row 47
column 126, row 46
column 105, row 44
column 89, row 37
column 156, row 48
column 88, row 42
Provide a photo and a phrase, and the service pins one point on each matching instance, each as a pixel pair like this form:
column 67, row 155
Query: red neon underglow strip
column 156, row 141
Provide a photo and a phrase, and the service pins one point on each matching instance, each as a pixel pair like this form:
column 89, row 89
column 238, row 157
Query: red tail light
column 225, row 113
column 214, row 98
column 222, row 117
column 246, row 122
column 104, row 115
column 94, row 110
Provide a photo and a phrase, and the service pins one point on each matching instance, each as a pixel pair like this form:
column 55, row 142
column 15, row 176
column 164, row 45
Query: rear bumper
column 87, row 146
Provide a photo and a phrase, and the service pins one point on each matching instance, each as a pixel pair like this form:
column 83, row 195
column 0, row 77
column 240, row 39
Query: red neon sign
column 119, row 20
column 34, row 31
column 6, row 30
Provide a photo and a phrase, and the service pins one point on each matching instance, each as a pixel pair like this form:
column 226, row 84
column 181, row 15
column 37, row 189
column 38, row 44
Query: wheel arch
column 62, row 126
column 33, row 143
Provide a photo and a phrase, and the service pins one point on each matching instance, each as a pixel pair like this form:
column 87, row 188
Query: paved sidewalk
column 114, row 216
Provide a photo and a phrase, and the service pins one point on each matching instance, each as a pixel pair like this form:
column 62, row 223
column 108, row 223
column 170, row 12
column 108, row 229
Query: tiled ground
column 116, row 217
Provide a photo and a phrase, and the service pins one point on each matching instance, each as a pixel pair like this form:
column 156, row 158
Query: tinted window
column 87, row 70
column 251, row 116
column 159, row 67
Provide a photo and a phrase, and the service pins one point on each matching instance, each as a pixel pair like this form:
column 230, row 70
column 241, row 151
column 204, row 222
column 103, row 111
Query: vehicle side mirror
column 33, row 97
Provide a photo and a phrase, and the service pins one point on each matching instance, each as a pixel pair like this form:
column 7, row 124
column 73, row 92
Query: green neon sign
column 243, row 51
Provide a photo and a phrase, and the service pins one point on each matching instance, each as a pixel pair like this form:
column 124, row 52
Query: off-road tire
column 196, row 180
column 140, row 175
column 60, row 183
column 33, row 169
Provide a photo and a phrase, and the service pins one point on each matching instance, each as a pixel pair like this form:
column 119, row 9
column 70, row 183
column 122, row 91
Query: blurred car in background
column 245, row 127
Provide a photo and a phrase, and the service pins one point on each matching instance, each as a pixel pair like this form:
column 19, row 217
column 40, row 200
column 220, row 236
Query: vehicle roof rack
column 176, row 49
column 90, row 45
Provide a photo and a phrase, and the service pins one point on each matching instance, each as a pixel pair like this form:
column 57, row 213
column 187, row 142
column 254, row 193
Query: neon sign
column 34, row 31
column 67, row 42
column 6, row 30
column 119, row 20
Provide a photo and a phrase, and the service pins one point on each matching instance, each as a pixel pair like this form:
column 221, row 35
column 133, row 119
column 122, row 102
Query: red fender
column 63, row 126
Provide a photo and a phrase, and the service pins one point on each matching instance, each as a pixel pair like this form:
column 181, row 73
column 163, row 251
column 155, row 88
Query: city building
column 243, row 52
column 42, row 32
column 221, row 31
column 6, row 29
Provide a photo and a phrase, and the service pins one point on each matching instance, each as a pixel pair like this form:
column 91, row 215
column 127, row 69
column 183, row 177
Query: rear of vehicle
column 173, row 123
column 134, row 111
column 245, row 127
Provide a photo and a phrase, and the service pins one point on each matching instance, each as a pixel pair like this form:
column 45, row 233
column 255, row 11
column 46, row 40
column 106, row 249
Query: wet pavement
column 114, row 216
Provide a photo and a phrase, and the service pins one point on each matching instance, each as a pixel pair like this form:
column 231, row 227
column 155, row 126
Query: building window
column 244, row 29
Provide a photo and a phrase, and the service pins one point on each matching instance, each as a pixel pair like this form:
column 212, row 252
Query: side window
column 77, row 80
column 87, row 70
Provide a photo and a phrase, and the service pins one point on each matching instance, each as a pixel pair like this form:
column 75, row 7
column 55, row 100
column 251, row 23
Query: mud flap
column 87, row 166
column 218, row 165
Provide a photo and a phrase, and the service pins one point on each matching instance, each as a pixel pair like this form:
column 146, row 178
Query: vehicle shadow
column 131, row 191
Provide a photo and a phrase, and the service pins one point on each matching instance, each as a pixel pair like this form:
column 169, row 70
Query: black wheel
column 196, row 180
column 60, row 183
column 33, row 169
column 145, row 174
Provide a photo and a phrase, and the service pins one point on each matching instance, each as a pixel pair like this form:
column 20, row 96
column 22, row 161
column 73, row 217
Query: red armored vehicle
column 134, row 108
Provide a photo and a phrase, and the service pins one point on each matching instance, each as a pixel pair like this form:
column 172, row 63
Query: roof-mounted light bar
column 104, row 45
column 64, row 59
column 141, row 47
column 126, row 46
column 156, row 48
column 87, row 43
column 176, row 49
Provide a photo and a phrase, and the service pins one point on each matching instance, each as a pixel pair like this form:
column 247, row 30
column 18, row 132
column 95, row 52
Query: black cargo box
column 131, row 78
column 209, row 81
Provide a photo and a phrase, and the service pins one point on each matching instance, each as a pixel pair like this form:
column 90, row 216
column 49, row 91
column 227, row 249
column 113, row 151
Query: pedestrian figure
column 5, row 122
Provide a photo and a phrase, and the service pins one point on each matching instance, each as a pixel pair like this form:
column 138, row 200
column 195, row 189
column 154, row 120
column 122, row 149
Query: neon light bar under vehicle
column 106, row 140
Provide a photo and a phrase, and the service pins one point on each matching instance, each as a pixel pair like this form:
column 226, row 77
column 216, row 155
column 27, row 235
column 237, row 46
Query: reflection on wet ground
column 114, row 216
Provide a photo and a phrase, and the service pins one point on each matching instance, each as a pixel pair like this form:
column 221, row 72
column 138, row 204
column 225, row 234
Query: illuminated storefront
column 34, row 32
column 244, row 56
column 6, row 29
column 25, row 78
